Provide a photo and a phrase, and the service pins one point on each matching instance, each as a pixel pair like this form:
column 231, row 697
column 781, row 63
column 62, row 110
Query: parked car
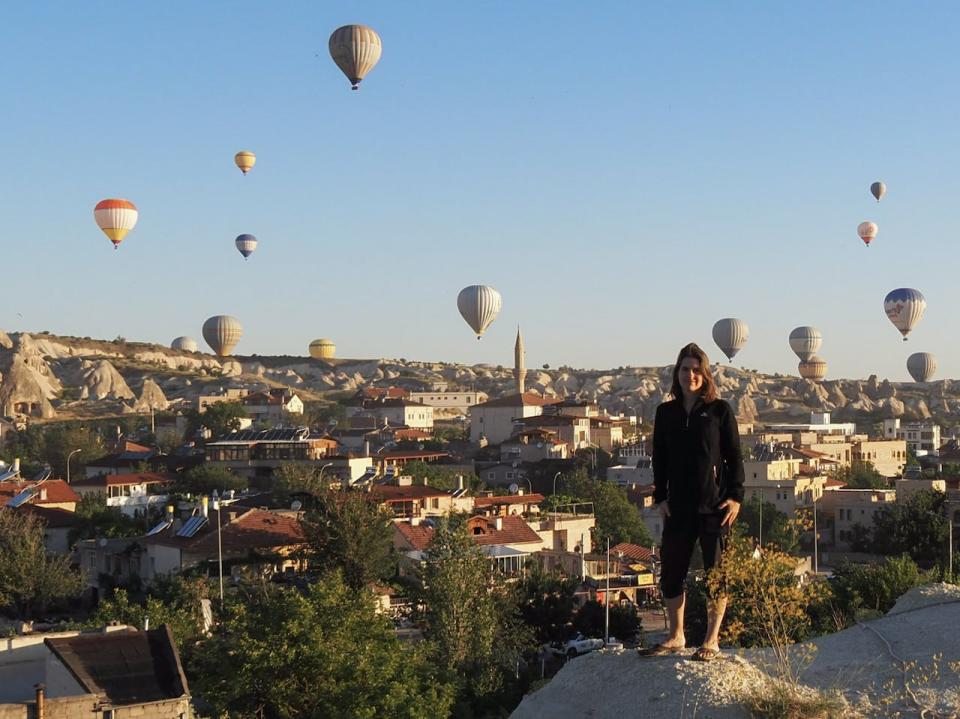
column 576, row 646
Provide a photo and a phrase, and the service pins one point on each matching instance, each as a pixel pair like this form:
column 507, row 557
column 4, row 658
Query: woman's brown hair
column 709, row 392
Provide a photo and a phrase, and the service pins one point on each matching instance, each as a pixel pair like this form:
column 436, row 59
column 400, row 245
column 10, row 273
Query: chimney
column 43, row 494
column 414, row 521
column 205, row 506
column 366, row 448
column 498, row 523
column 460, row 481
column 169, row 511
column 16, row 464
column 426, row 481
column 41, row 701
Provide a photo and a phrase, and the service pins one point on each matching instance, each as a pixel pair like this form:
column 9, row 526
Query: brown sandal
column 705, row 654
column 660, row 650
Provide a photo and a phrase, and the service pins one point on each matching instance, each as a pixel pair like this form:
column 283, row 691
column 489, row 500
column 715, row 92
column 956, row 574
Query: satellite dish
column 296, row 505
column 514, row 488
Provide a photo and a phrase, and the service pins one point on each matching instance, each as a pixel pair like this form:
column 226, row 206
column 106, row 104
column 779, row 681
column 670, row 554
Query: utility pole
column 606, row 601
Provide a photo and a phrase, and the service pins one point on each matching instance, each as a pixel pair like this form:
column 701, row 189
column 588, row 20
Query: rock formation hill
column 88, row 376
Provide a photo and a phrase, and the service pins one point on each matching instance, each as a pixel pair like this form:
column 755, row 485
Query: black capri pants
column 680, row 534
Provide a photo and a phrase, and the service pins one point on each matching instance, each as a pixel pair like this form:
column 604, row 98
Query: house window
column 508, row 475
column 491, row 475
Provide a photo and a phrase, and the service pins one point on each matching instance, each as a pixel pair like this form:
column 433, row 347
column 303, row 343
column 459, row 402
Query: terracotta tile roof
column 411, row 434
column 253, row 529
column 57, row 492
column 635, row 552
column 120, row 480
column 124, row 667
column 395, row 493
column 520, row 400
column 835, row 483
column 417, row 536
column 514, row 530
column 534, row 498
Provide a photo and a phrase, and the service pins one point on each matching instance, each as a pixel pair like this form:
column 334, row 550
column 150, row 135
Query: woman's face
column 691, row 376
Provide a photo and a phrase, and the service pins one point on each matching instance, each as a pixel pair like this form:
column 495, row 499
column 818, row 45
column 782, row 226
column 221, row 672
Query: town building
column 257, row 453
column 449, row 402
column 228, row 394
column 50, row 493
column 819, row 423
column 888, row 456
column 126, row 458
column 850, row 507
column 272, row 406
column 921, row 437
column 134, row 493
column 400, row 412
column 494, row 421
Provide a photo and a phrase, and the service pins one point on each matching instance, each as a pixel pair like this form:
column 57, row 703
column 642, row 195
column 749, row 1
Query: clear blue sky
column 625, row 173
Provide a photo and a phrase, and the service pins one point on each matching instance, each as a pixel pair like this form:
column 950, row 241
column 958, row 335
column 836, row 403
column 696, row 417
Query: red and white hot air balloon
column 867, row 231
column 115, row 218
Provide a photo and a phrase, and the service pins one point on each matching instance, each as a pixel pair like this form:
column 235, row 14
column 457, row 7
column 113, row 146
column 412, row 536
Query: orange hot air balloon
column 245, row 160
column 115, row 218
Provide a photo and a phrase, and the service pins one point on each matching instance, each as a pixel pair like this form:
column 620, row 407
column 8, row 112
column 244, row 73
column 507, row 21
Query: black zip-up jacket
column 696, row 459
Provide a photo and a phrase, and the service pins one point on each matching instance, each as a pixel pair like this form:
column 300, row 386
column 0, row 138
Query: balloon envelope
column 115, row 217
column 814, row 369
column 323, row 349
column 904, row 306
column 184, row 344
column 245, row 160
column 479, row 305
column 878, row 190
column 246, row 244
column 355, row 49
column 805, row 342
column 922, row 366
column 731, row 335
column 867, row 231
column 222, row 332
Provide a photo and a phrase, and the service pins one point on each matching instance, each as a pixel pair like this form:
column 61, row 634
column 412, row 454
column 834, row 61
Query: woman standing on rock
column 698, row 489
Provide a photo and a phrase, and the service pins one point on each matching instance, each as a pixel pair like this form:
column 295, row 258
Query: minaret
column 519, row 367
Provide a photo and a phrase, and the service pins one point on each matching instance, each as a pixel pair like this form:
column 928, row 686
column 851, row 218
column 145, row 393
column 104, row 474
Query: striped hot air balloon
column 904, row 306
column 878, row 190
column 479, row 305
column 115, row 218
column 323, row 349
column 922, row 366
column 245, row 160
column 814, row 369
column 355, row 49
column 246, row 244
column 731, row 335
column 222, row 332
column 184, row 344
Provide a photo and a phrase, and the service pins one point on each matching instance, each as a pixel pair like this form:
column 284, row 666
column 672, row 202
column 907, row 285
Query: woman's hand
column 732, row 509
column 664, row 510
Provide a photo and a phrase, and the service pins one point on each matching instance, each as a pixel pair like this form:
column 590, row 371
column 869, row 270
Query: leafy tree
column 205, row 478
column 616, row 517
column 472, row 623
column 547, row 602
column 220, row 418
column 917, row 527
column 448, row 433
column 440, row 476
column 861, row 475
column 94, row 519
column 778, row 529
column 591, row 620
column 320, row 653
column 874, row 587
column 292, row 479
column 52, row 443
column 348, row 531
column 30, row 579
column 175, row 602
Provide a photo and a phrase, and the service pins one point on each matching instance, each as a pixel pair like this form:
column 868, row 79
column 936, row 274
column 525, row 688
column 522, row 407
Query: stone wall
column 87, row 706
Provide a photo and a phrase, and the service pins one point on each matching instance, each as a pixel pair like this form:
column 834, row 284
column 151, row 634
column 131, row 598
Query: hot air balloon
column 878, row 190
column 323, row 349
column 867, row 231
column 245, row 160
column 479, row 306
column 116, row 218
column 355, row 49
column 246, row 244
column 184, row 344
column 921, row 366
column 731, row 335
column 222, row 333
column 814, row 369
column 904, row 307
column 805, row 342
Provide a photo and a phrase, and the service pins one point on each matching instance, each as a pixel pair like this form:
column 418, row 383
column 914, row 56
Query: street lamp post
column 320, row 478
column 606, row 601
column 555, row 495
column 760, row 529
column 216, row 506
column 816, row 554
column 68, row 463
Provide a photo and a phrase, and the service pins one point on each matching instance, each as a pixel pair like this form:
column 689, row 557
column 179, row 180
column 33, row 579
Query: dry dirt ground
column 865, row 663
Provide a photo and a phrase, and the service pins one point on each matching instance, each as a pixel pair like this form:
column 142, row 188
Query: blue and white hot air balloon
column 246, row 244
column 904, row 306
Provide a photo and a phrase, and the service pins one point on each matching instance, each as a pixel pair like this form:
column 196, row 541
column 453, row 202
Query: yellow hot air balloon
column 115, row 218
column 323, row 349
column 245, row 160
column 355, row 49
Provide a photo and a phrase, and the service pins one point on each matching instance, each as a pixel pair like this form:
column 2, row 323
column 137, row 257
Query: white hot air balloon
column 922, row 366
column 222, row 333
column 867, row 231
column 805, row 342
column 479, row 305
column 904, row 306
column 184, row 344
column 814, row 369
column 730, row 335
